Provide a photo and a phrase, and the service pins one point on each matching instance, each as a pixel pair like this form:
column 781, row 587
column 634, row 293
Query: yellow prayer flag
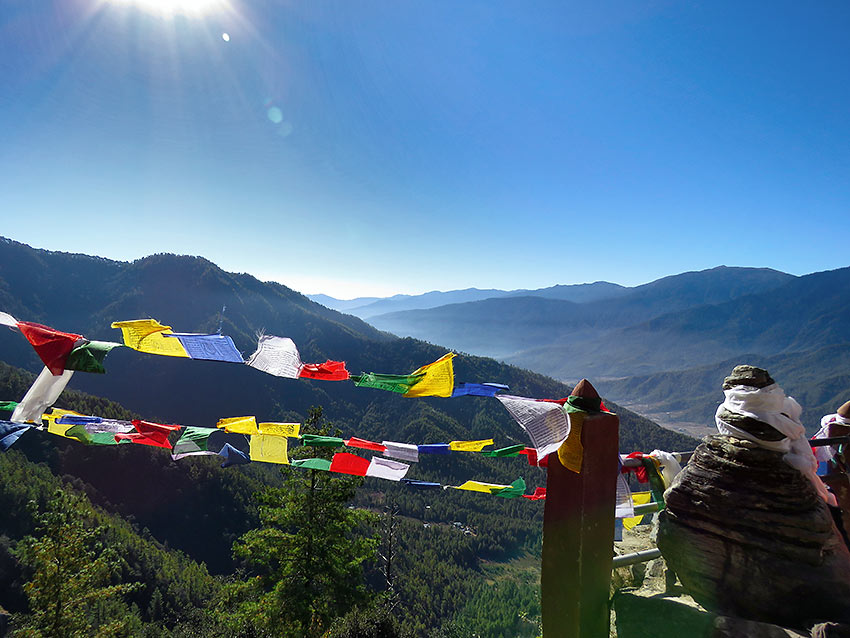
column 439, row 379
column 469, row 446
column 638, row 498
column 269, row 449
column 56, row 428
column 148, row 335
column 280, row 429
column 239, row 425
column 571, row 452
column 478, row 486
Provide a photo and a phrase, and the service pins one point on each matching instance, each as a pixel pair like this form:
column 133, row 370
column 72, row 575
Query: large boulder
column 749, row 537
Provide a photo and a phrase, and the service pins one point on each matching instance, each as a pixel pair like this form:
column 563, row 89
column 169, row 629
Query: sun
column 175, row 7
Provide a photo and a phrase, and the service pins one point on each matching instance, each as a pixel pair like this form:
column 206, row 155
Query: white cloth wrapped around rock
column 826, row 453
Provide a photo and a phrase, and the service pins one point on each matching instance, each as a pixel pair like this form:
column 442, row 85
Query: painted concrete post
column 578, row 531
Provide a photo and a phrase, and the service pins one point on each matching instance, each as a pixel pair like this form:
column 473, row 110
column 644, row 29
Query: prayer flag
column 386, row 469
column 538, row 495
column 624, row 508
column 478, row 486
column 89, row 356
column 8, row 320
column 8, row 406
column 469, row 446
column 51, row 346
column 10, row 432
column 277, row 356
column 512, row 450
column 269, row 449
column 239, row 424
column 439, row 379
column 280, row 429
column 209, row 347
column 398, row 383
column 148, row 335
column 516, row 489
column 77, row 419
column 313, row 464
column 345, row 463
column 531, row 454
column 420, row 484
column 99, row 432
column 478, row 389
column 434, row 448
column 545, row 422
column 638, row 498
column 364, row 444
column 147, row 433
column 403, row 451
column 233, row 456
column 193, row 442
column 318, row 440
column 327, row 371
column 43, row 393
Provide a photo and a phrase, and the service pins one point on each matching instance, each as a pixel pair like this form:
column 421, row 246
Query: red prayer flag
column 51, row 346
column 640, row 472
column 345, row 463
column 531, row 453
column 148, row 433
column 539, row 494
column 365, row 445
column 327, row 371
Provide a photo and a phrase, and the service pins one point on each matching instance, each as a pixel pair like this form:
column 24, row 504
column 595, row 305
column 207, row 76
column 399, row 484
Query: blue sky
column 377, row 147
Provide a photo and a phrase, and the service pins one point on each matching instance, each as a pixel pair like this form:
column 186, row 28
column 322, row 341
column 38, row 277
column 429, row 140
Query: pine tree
column 305, row 560
column 71, row 575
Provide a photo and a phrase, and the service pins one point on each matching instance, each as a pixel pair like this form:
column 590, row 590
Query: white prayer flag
column 386, row 469
column 42, row 394
column 278, row 356
column 546, row 423
column 8, row 320
column 403, row 451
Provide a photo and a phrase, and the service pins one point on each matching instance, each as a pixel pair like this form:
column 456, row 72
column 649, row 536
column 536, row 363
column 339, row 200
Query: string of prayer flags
column 313, row 464
column 239, row 425
column 319, row 440
column 233, row 456
column 208, row 347
column 269, row 448
column 403, row 451
column 51, row 346
column 469, row 446
column 89, row 356
column 10, row 432
column 539, row 494
column 386, row 469
column 363, row 444
column 478, row 389
column 434, row 448
column 148, row 335
column 147, row 433
column 43, row 393
column 544, row 421
column 511, row 450
column 438, row 379
column 345, row 463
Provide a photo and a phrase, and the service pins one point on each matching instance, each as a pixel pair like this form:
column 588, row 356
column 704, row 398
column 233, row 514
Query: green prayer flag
column 9, row 406
column 516, row 489
column 400, row 383
column 582, row 404
column 89, row 356
column 512, row 450
column 312, row 464
column 322, row 441
column 192, row 441
column 80, row 433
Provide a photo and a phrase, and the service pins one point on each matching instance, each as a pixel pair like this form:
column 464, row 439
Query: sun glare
column 175, row 7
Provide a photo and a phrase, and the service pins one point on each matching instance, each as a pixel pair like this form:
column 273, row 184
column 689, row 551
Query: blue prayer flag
column 11, row 432
column 209, row 347
column 478, row 389
column 420, row 484
column 434, row 448
column 232, row 456
column 75, row 419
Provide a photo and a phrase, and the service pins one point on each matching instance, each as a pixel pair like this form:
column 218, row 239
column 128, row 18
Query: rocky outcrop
column 749, row 537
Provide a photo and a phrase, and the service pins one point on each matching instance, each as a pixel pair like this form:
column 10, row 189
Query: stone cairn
column 748, row 535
